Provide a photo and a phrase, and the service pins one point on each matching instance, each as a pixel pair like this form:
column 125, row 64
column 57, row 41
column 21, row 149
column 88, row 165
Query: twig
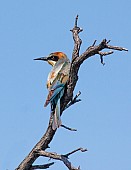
column 94, row 43
column 104, row 54
column 45, row 166
column 116, row 48
column 79, row 149
column 108, row 41
column 63, row 158
column 71, row 129
column 76, row 20
column 77, row 41
column 74, row 100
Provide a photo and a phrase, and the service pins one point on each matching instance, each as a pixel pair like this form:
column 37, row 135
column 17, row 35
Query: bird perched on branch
column 56, row 81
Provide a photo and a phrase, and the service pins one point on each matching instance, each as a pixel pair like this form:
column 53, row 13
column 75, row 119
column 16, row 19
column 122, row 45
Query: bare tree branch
column 104, row 54
column 76, row 150
column 63, row 158
column 77, row 41
column 69, row 128
column 92, row 50
column 45, row 166
column 116, row 48
column 74, row 100
column 76, row 62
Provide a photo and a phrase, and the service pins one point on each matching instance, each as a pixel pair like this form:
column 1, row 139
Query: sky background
column 29, row 29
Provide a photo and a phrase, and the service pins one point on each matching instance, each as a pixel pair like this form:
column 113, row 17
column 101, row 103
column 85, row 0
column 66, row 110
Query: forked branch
column 63, row 158
column 66, row 101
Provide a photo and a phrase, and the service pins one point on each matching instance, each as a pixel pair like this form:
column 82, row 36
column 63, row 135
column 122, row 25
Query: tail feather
column 56, row 117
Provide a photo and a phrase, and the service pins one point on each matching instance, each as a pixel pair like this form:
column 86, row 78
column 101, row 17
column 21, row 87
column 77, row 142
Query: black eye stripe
column 54, row 58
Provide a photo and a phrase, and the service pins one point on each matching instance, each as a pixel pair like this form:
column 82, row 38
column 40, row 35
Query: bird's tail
column 56, row 117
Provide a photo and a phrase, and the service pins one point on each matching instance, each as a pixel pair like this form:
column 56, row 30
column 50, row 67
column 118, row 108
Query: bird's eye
column 54, row 58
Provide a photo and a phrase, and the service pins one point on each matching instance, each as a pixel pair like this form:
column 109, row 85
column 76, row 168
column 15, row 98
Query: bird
column 56, row 82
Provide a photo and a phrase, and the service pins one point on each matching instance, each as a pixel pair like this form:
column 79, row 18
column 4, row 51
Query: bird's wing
column 53, row 75
column 60, row 72
column 54, row 91
column 56, row 82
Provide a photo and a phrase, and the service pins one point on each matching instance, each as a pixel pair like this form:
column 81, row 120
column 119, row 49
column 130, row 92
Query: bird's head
column 53, row 58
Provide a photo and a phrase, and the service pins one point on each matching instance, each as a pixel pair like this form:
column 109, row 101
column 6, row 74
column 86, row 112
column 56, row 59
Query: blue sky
column 29, row 29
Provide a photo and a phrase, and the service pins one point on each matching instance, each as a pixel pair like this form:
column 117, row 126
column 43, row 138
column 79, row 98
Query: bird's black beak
column 42, row 58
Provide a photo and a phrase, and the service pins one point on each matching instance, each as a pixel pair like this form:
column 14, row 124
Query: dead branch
column 68, row 128
column 76, row 62
column 63, row 158
column 104, row 54
column 74, row 100
column 45, row 166
column 70, row 153
column 92, row 50
column 116, row 48
column 77, row 41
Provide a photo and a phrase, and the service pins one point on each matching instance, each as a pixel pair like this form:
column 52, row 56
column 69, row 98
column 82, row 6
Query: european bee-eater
column 56, row 81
